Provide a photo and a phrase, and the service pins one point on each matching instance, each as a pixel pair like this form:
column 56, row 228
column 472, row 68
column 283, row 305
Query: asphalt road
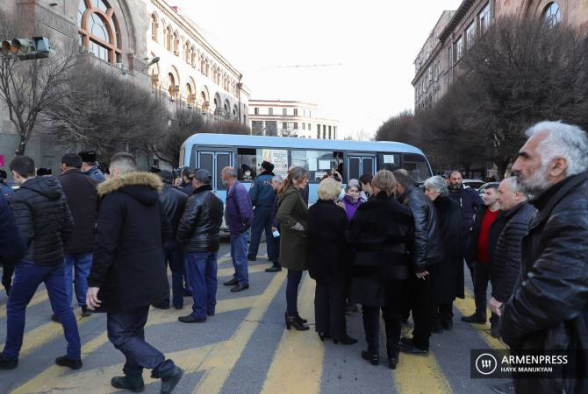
column 245, row 348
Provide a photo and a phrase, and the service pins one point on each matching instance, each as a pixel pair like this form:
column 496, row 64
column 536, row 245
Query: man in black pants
column 427, row 253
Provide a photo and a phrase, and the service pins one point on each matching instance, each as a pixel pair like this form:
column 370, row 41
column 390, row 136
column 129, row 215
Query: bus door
column 215, row 161
column 359, row 164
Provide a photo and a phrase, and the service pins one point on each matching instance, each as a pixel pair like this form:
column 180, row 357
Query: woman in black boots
column 381, row 232
column 328, row 263
column 292, row 216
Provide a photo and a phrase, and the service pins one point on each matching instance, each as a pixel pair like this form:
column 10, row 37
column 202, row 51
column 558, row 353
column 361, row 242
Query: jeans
column 294, row 278
column 395, row 300
column 421, row 298
column 82, row 263
column 126, row 331
column 174, row 257
column 201, row 269
column 239, row 256
column 329, row 306
column 262, row 219
column 27, row 278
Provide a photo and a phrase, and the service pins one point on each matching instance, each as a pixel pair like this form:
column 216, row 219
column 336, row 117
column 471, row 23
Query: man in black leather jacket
column 549, row 307
column 174, row 202
column 426, row 253
column 199, row 235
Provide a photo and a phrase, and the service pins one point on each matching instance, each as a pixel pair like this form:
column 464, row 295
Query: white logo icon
column 486, row 364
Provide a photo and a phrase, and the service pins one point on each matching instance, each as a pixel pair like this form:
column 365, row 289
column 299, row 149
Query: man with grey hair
column 239, row 218
column 549, row 307
column 128, row 271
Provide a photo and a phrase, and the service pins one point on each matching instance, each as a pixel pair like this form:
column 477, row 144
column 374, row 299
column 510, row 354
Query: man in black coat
column 427, row 252
column 128, row 272
column 549, row 307
column 174, row 202
column 83, row 202
column 12, row 246
column 470, row 202
column 199, row 235
column 506, row 262
column 45, row 222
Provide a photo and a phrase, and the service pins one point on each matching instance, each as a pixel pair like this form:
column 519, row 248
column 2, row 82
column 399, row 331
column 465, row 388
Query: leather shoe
column 495, row 331
column 191, row 319
column 85, row 311
column 251, row 257
column 239, row 287
column 475, row 318
column 447, row 325
column 132, row 383
column 6, row 363
column 65, row 361
column 407, row 346
column 161, row 305
column 231, row 282
column 170, row 380
column 273, row 268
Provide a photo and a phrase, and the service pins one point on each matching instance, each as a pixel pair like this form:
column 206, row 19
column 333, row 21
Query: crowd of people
column 382, row 242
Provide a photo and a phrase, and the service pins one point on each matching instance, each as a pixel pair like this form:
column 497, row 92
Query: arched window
column 193, row 59
column 168, row 38
column 552, row 14
column 154, row 28
column 190, row 96
column 177, row 43
column 187, row 52
column 172, row 90
column 99, row 31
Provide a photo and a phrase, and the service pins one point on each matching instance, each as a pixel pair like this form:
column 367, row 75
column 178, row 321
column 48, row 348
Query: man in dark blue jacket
column 45, row 222
column 262, row 196
column 470, row 202
column 12, row 246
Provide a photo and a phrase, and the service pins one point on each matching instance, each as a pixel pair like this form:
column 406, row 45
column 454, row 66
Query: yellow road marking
column 156, row 316
column 221, row 360
column 287, row 373
column 466, row 307
column 39, row 297
column 230, row 271
column 420, row 375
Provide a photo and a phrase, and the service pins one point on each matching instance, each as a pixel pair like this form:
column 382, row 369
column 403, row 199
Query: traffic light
column 26, row 48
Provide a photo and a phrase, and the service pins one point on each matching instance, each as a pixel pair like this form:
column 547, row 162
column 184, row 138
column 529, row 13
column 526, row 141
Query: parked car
column 473, row 183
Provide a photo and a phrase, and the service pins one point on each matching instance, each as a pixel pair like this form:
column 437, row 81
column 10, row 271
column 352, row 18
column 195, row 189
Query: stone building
column 290, row 119
column 125, row 36
column 456, row 32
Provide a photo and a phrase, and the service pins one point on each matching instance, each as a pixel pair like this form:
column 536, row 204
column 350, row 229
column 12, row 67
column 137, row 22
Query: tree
column 399, row 128
column 29, row 87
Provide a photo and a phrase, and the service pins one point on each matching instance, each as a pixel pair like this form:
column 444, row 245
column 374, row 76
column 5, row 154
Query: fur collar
column 131, row 178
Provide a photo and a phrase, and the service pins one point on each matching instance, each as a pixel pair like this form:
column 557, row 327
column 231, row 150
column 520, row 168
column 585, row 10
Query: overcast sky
column 370, row 45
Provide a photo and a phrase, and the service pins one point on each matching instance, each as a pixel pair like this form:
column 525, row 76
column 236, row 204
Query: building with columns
column 124, row 36
column 456, row 32
column 296, row 119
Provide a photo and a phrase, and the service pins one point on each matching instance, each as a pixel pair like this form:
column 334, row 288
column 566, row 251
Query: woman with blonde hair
column 329, row 263
column 292, row 216
column 381, row 231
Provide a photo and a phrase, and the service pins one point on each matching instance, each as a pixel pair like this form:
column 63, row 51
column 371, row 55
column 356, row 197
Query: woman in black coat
column 328, row 263
column 448, row 282
column 381, row 232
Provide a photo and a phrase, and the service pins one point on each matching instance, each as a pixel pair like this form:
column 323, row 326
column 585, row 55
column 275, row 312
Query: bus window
column 417, row 167
column 389, row 161
column 249, row 162
column 318, row 163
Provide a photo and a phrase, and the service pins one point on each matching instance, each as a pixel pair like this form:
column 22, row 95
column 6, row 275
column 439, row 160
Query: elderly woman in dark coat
column 381, row 232
column 447, row 276
column 292, row 216
column 328, row 262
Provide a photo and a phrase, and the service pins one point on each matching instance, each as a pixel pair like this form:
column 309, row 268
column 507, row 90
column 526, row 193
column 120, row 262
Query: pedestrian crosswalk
column 244, row 348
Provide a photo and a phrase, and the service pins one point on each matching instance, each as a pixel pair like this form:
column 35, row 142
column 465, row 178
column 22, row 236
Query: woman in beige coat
column 292, row 216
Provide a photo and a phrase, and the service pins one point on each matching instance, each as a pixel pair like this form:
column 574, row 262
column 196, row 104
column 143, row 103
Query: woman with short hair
column 292, row 216
column 352, row 198
column 447, row 277
column 329, row 263
column 381, row 231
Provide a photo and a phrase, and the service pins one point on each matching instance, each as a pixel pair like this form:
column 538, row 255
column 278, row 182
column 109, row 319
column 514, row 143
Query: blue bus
column 246, row 153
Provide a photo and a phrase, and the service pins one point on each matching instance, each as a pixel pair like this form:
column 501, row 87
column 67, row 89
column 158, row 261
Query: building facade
column 437, row 63
column 125, row 36
column 290, row 119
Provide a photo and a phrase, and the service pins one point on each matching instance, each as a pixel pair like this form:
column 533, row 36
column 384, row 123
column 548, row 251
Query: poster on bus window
column 279, row 158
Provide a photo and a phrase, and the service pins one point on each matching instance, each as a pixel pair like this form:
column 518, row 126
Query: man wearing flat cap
column 90, row 167
column 262, row 197
column 199, row 234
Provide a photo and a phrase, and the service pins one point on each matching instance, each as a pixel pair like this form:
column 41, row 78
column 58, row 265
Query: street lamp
column 151, row 63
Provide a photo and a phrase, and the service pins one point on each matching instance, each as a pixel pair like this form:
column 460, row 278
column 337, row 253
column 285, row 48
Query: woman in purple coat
column 351, row 201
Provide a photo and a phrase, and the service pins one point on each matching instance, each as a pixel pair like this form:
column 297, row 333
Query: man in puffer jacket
column 506, row 265
column 45, row 222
